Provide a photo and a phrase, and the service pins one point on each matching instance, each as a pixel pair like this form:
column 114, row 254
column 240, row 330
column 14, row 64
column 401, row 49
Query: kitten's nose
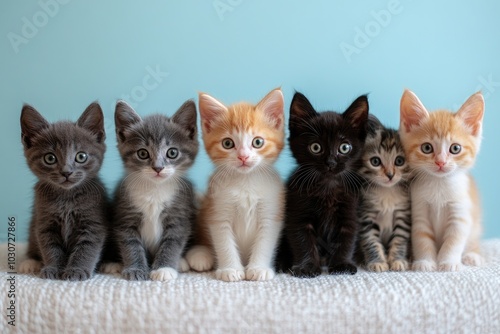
column 158, row 169
column 243, row 158
column 390, row 175
column 440, row 163
column 66, row 174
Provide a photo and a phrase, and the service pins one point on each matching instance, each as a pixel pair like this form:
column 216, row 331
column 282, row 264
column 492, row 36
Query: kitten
column 69, row 224
column 154, row 206
column 384, row 212
column 322, row 192
column 242, row 212
column 441, row 147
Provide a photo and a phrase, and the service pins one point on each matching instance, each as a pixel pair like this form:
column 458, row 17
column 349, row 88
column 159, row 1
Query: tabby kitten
column 384, row 212
column 441, row 147
column 154, row 206
column 242, row 212
column 322, row 192
column 69, row 224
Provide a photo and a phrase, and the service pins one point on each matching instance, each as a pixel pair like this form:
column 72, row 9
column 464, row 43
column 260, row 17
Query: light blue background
column 103, row 50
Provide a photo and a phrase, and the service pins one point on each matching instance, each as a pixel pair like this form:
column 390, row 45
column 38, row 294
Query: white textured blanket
column 464, row 302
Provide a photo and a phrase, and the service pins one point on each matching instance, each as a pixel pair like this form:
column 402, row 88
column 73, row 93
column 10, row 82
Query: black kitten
column 322, row 192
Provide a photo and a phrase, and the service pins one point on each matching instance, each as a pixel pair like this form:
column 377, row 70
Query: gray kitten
column 69, row 224
column 384, row 212
column 154, row 206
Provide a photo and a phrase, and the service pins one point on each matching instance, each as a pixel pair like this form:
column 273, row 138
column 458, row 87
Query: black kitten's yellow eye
column 426, row 148
column 143, row 154
column 455, row 148
column 315, row 148
column 227, row 143
column 375, row 161
column 258, row 142
column 172, row 153
column 50, row 159
column 81, row 157
column 400, row 161
column 345, row 148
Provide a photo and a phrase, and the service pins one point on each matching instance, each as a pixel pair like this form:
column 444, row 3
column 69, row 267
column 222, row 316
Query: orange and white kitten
column 242, row 213
column 441, row 147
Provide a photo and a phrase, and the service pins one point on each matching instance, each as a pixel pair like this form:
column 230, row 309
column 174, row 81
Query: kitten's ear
column 472, row 111
column 357, row 113
column 186, row 117
column 412, row 111
column 92, row 120
column 301, row 110
column 31, row 124
column 272, row 105
column 210, row 109
column 373, row 124
column 125, row 117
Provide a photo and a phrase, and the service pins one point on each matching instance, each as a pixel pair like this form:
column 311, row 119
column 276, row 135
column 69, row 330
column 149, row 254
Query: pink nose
column 243, row 158
column 440, row 163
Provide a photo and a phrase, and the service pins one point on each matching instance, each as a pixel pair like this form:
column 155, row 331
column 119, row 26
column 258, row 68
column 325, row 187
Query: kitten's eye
column 227, row 143
column 81, row 157
column 426, row 148
column 455, row 148
column 143, row 154
column 345, row 148
column 258, row 142
column 400, row 161
column 375, row 161
column 172, row 153
column 315, row 148
column 50, row 159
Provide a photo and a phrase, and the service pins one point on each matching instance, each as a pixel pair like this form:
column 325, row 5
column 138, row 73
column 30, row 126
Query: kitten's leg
column 229, row 264
column 51, row 249
column 458, row 226
column 423, row 239
column 259, row 266
column 133, row 253
column 200, row 258
column 168, row 256
column 306, row 258
column 399, row 243
column 341, row 249
column 373, row 250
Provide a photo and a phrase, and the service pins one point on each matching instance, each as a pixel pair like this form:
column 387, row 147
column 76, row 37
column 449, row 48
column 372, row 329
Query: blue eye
column 172, row 153
column 50, row 159
column 455, row 148
column 427, row 148
column 143, row 154
column 400, row 161
column 81, row 157
column 375, row 161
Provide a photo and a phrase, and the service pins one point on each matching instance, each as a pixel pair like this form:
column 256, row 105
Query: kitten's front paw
column 49, row 273
column 135, row 274
column 305, row 271
column 111, row 268
column 163, row 274
column 343, row 268
column 473, row 259
column 200, row 258
column 75, row 274
column 424, row 265
column 377, row 267
column 450, row 266
column 399, row 265
column 230, row 274
column 30, row 266
column 259, row 274
column 183, row 265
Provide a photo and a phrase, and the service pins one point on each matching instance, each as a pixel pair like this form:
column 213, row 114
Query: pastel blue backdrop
column 60, row 55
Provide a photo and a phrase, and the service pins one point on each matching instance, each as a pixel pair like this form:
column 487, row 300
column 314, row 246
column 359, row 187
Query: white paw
column 450, row 266
column 111, row 268
column 259, row 274
column 378, row 266
column 200, row 258
column 424, row 265
column 473, row 259
column 163, row 274
column 30, row 266
column 230, row 274
column 183, row 265
column 399, row 265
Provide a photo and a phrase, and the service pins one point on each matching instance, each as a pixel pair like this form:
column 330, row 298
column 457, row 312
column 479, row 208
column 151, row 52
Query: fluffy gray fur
column 69, row 224
column 154, row 206
column 384, row 212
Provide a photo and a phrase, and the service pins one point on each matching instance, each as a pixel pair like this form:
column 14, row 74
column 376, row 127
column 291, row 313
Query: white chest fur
column 151, row 199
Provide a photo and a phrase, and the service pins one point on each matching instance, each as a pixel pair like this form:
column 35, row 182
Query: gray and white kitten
column 154, row 205
column 68, row 226
column 384, row 212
